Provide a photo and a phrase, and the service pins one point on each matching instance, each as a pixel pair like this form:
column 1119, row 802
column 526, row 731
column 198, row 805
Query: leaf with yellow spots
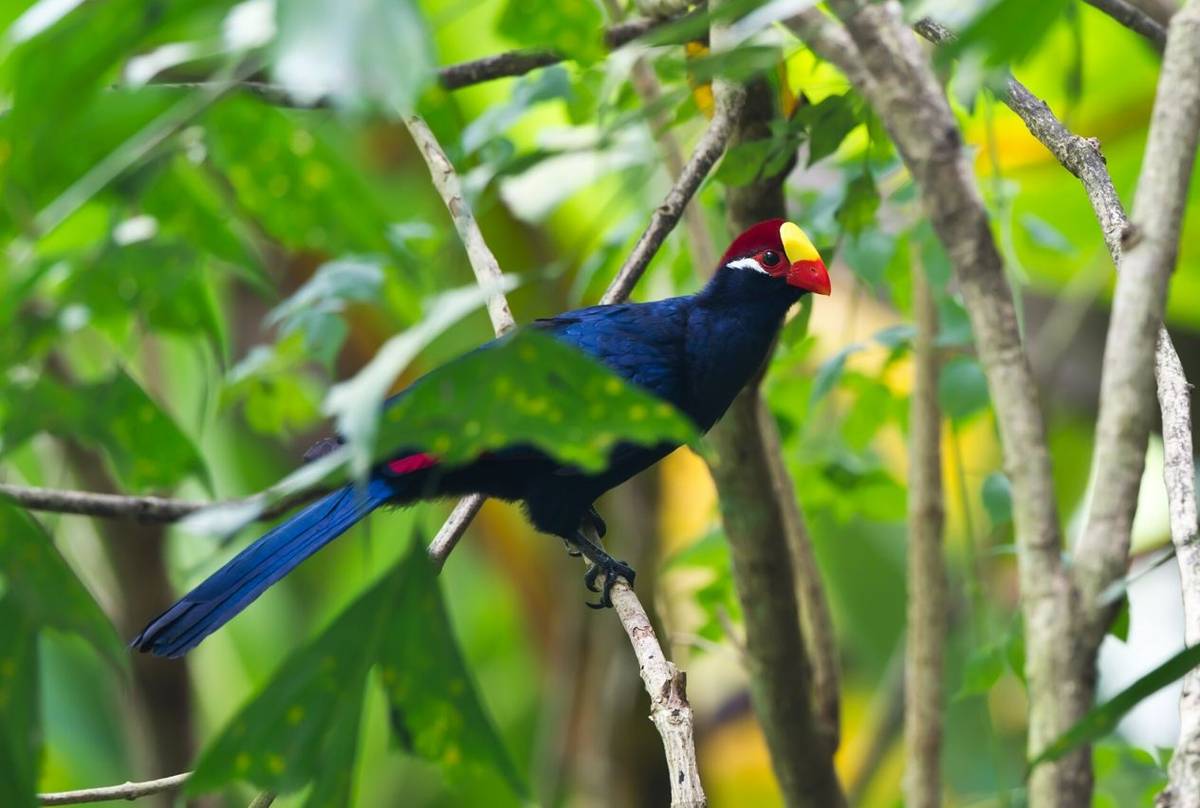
column 543, row 393
column 436, row 708
column 303, row 727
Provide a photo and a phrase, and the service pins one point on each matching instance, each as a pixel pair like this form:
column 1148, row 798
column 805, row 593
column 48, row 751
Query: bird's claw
column 611, row 570
column 597, row 523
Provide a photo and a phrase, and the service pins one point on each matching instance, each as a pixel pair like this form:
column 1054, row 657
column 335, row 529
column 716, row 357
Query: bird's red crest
column 762, row 236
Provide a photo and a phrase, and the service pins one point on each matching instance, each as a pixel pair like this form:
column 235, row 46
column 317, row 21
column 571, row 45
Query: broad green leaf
column 147, row 448
column 1007, row 31
column 962, row 388
column 45, row 589
column 997, row 498
column 1103, row 718
column 165, row 284
column 528, row 389
column 743, row 163
column 368, row 53
column 431, row 689
column 566, row 26
column 551, row 83
column 828, row 123
column 303, row 726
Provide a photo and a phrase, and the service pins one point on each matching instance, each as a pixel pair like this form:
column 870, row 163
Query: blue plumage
column 696, row 351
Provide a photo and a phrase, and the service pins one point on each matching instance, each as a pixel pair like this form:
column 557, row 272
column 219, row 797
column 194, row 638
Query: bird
column 695, row 351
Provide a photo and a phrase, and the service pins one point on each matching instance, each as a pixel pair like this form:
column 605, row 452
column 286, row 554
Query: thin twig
column 1134, row 19
column 138, row 509
column 666, row 216
column 125, row 791
column 926, row 640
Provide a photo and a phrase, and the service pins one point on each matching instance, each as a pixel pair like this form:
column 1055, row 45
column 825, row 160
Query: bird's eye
column 770, row 258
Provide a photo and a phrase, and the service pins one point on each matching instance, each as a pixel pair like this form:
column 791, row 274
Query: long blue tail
column 233, row 587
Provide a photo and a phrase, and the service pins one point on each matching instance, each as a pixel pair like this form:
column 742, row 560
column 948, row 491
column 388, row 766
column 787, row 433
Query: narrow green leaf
column 829, row 372
column 1120, row 623
column 984, row 668
column 1103, row 718
column 997, row 498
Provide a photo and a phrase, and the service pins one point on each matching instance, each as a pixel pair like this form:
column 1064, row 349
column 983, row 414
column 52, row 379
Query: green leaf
column 274, row 388
column 962, row 388
column 430, row 687
column 984, row 668
column 1007, row 31
column 20, row 726
column 829, row 372
column 857, row 211
column 315, row 309
column 303, row 726
column 1120, row 624
column 372, row 52
column 828, row 123
column 145, row 445
column 1103, row 718
column 997, row 498
column 566, row 26
column 743, row 163
column 1045, row 235
column 45, row 588
column 528, row 389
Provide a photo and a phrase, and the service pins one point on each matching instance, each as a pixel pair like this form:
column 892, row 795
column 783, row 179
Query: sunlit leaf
column 567, row 26
column 528, row 389
column 1007, row 31
column 376, row 52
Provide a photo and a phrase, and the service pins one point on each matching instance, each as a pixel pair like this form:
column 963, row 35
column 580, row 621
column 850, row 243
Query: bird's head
column 774, row 254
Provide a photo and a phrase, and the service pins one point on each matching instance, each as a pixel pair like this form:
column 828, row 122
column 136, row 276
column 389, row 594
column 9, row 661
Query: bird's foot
column 597, row 523
column 611, row 569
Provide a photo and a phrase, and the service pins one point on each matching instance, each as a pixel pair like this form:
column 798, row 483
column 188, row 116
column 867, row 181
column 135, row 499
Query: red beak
column 811, row 276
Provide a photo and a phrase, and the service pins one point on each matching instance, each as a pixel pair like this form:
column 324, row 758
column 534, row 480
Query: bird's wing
column 641, row 342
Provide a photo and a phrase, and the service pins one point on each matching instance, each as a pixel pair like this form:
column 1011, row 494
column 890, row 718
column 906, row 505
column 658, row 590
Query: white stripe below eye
column 747, row 263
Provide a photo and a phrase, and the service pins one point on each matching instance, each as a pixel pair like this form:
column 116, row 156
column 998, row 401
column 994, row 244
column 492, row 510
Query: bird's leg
column 601, row 564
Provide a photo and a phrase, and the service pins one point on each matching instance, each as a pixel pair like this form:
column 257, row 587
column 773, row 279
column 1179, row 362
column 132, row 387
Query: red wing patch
column 411, row 463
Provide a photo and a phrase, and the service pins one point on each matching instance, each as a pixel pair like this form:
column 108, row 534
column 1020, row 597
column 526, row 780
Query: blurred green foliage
column 187, row 271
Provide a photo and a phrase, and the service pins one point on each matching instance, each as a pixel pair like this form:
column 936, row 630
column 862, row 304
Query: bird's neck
column 728, row 340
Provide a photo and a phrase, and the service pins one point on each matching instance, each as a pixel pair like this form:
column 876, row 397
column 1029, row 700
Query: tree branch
column 666, row 216
column 1134, row 19
column 125, row 791
column 1150, row 251
column 880, row 59
column 791, row 657
column 927, row 601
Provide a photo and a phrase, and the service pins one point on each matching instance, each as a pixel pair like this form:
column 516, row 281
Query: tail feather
column 233, row 587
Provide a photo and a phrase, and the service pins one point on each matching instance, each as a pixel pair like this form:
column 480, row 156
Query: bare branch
column 125, row 791
column 896, row 78
column 1150, row 251
column 1134, row 19
column 454, row 527
column 669, row 707
column 483, row 262
column 666, row 216
column 927, row 600
column 138, row 509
